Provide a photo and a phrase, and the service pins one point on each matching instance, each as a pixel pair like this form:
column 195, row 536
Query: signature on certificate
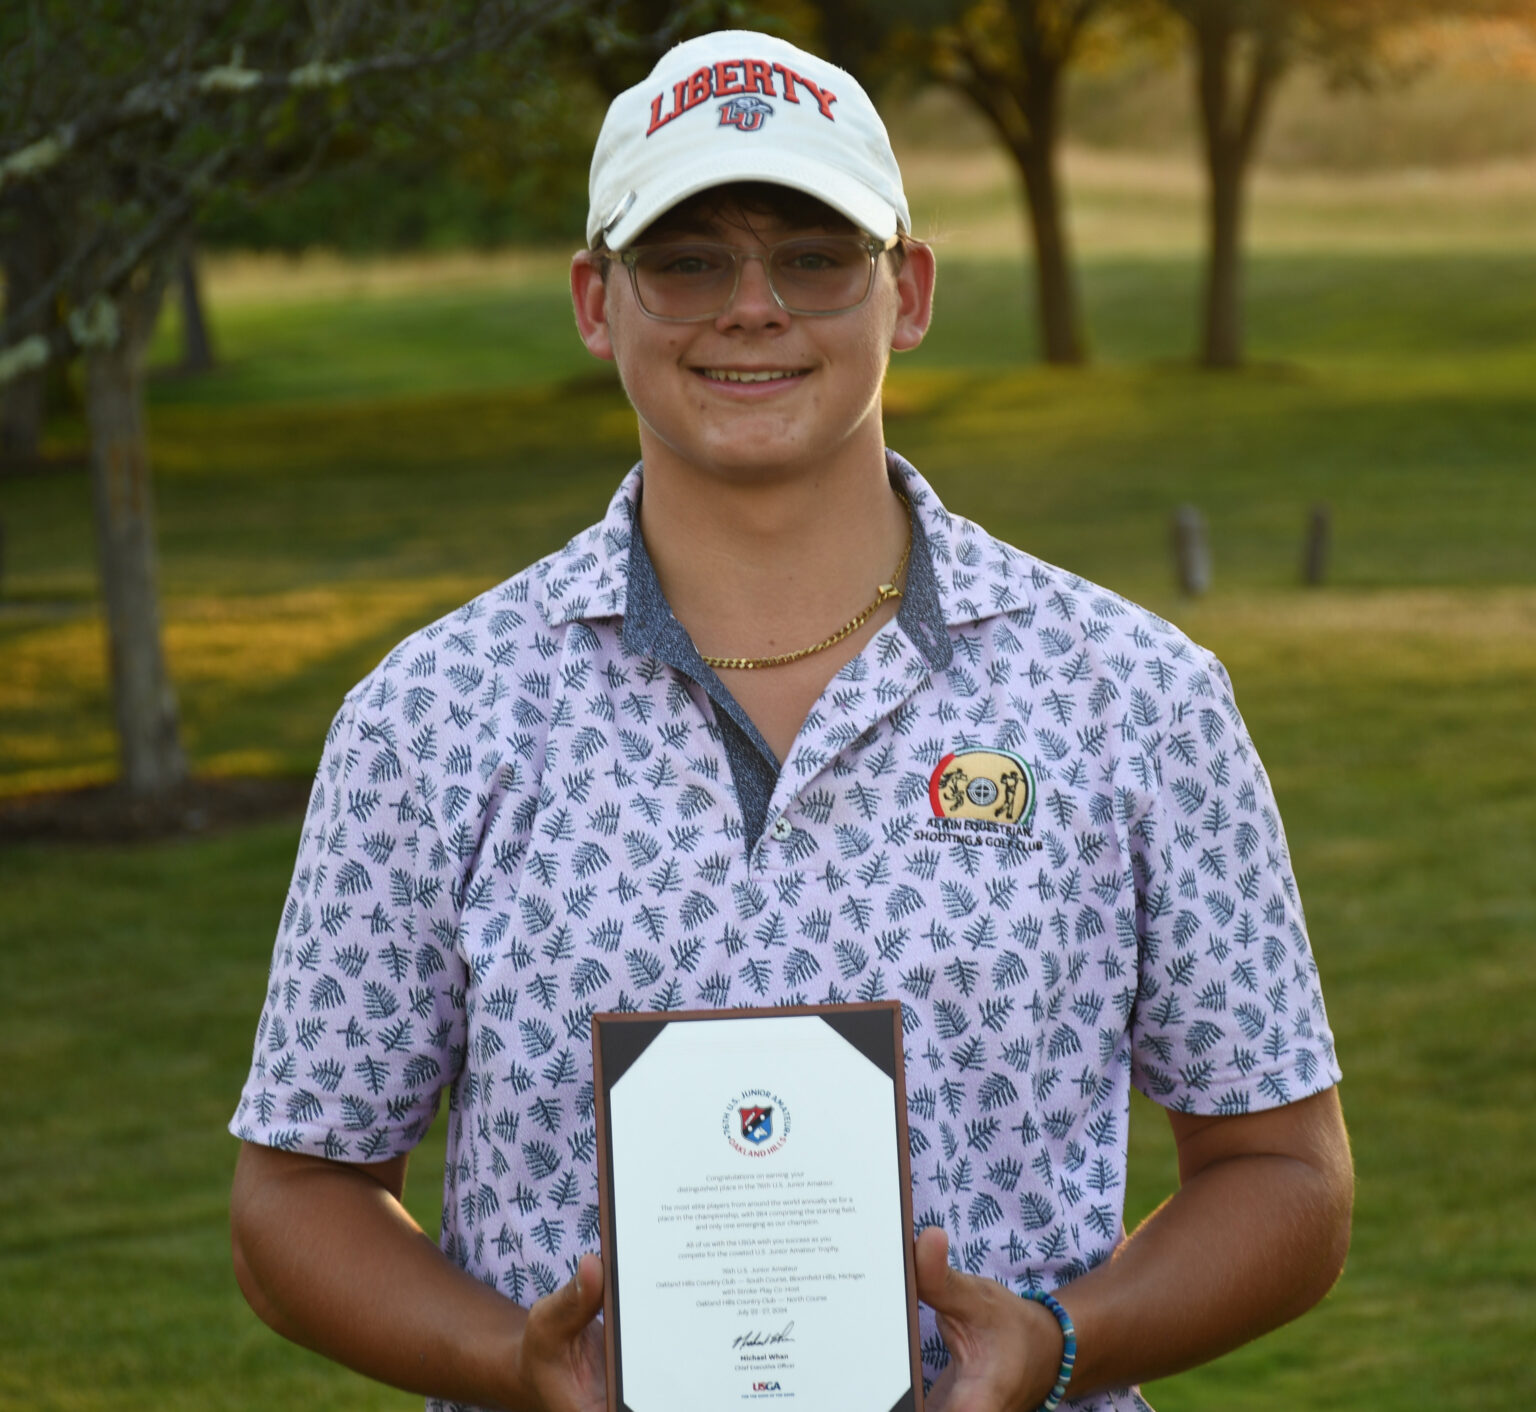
column 755, row 1338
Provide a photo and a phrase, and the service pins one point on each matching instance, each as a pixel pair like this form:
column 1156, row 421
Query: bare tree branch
column 95, row 323
column 168, row 96
column 86, row 252
column 133, row 165
column 1269, row 64
column 164, row 99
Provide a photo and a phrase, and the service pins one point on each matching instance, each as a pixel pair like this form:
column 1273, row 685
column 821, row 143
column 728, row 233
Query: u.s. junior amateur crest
column 756, row 1122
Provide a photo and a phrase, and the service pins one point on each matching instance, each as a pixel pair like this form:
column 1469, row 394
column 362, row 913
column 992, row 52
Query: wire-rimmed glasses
column 689, row 281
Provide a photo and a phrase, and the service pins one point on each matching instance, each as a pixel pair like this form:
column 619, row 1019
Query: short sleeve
column 1229, row 1013
column 364, row 1018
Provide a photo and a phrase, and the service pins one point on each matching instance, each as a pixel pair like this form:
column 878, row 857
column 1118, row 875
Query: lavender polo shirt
column 1028, row 810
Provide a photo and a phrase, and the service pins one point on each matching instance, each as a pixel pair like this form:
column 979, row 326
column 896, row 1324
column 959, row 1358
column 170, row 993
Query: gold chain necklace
column 883, row 594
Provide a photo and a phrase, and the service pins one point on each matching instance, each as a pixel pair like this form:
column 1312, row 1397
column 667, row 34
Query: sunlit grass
column 458, row 336
column 238, row 279
column 236, row 661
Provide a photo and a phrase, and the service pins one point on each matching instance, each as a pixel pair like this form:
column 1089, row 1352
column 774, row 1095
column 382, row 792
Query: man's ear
column 914, row 294
column 589, row 297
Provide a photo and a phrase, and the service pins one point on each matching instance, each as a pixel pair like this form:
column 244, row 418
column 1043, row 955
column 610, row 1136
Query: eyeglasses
column 688, row 281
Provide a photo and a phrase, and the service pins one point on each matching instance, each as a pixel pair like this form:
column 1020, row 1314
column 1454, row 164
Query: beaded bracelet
column 1068, row 1347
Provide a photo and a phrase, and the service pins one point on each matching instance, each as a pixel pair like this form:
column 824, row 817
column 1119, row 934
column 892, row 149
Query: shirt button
column 782, row 828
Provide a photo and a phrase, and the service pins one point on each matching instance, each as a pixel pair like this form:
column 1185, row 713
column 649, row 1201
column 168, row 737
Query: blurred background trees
column 1011, row 60
column 120, row 127
column 504, row 163
column 425, row 125
column 1241, row 51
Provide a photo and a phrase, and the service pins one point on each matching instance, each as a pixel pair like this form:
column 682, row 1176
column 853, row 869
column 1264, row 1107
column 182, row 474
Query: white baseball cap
column 741, row 106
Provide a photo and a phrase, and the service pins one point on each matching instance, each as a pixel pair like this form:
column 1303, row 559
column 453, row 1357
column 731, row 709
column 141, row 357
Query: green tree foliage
column 504, row 163
column 512, row 171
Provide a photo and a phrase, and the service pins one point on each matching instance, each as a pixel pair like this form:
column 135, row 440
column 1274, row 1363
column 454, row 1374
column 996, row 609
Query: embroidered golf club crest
column 995, row 786
column 745, row 112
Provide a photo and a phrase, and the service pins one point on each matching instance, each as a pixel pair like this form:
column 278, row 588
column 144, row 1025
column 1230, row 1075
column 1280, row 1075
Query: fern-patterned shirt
column 1028, row 809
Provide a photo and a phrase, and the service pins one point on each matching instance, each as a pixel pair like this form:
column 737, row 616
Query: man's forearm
column 1249, row 1241
column 328, row 1257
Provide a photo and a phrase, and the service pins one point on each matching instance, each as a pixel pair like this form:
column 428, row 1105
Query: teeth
column 727, row 375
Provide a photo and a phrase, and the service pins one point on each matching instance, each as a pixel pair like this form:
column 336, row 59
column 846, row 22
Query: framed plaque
column 756, row 1206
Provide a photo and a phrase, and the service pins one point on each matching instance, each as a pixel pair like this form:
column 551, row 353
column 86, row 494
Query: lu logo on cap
column 746, row 113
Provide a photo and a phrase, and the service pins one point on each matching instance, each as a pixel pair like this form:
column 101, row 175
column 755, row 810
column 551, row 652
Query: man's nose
column 753, row 303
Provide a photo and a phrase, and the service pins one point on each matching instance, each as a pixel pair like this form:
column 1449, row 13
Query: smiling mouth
column 765, row 375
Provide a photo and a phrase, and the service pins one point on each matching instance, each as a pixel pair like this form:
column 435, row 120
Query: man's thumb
column 575, row 1304
column 949, row 1292
column 937, row 1284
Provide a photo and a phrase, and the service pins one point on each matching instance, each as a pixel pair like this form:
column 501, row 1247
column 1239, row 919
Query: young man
column 781, row 727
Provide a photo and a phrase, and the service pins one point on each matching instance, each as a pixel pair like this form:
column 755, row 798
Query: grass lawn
column 381, row 445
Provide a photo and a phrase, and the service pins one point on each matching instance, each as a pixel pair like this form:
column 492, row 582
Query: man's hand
column 1004, row 1351
column 329, row 1257
column 561, row 1364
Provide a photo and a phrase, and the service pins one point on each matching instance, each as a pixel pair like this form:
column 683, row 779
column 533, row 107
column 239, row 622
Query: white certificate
column 757, row 1212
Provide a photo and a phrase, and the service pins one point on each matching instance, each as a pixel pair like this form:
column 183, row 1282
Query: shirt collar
column 957, row 573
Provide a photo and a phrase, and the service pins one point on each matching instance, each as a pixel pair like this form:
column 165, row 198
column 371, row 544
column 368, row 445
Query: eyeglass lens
column 695, row 280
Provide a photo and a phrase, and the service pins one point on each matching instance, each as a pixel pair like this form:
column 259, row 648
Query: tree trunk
column 1061, row 340
column 23, row 400
column 1222, row 343
column 1232, row 105
column 196, row 344
column 1055, row 291
column 143, row 699
column 1023, row 106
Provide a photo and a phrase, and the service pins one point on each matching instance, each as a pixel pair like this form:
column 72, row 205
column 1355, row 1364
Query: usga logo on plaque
column 756, row 1122
column 993, row 785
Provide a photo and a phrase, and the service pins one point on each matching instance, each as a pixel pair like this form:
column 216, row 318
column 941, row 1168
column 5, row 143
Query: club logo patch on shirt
column 993, row 786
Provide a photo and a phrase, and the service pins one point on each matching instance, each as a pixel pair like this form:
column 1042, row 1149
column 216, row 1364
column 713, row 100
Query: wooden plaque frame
column 874, row 1029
